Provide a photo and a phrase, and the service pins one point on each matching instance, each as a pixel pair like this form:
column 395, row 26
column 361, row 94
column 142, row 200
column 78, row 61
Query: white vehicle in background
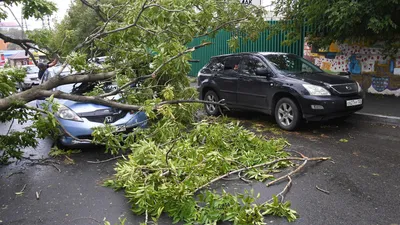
column 32, row 72
column 30, row 79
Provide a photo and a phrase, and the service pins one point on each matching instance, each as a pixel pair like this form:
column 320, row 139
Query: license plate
column 354, row 102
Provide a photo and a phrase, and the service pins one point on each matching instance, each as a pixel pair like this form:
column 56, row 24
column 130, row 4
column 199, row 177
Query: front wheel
column 287, row 114
column 211, row 109
column 19, row 88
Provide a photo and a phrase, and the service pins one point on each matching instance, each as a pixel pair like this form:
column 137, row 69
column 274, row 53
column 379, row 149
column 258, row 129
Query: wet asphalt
column 362, row 179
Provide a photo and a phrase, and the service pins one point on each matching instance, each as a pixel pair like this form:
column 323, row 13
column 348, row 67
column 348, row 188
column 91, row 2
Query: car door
column 46, row 76
column 226, row 78
column 252, row 89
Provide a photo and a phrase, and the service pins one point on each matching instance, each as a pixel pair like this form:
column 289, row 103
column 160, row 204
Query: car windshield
column 32, row 69
column 82, row 88
column 67, row 88
column 290, row 64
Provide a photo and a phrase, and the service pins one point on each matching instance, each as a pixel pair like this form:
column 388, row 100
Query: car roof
column 251, row 53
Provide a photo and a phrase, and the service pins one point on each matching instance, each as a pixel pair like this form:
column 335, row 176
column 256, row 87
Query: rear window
column 32, row 69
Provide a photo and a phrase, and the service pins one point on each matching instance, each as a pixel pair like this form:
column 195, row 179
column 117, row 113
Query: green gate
column 220, row 46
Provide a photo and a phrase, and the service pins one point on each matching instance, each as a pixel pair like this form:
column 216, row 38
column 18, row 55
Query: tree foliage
column 177, row 155
column 169, row 164
column 142, row 38
column 36, row 9
column 340, row 20
column 79, row 22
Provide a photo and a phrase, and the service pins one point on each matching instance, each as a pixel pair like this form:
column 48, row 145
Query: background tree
column 79, row 22
column 340, row 20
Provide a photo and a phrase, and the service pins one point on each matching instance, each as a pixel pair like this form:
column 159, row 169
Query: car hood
column 320, row 78
column 81, row 107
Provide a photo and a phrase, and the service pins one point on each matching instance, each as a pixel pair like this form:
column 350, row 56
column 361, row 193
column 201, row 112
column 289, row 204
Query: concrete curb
column 369, row 117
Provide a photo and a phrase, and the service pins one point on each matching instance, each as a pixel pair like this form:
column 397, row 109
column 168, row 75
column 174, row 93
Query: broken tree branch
column 262, row 165
column 322, row 190
column 35, row 92
column 155, row 71
column 107, row 160
column 12, row 174
column 96, row 9
column 283, row 192
column 23, row 188
column 38, row 194
column 289, row 174
column 23, row 43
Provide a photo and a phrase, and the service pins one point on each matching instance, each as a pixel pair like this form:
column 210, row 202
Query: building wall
column 3, row 46
column 367, row 63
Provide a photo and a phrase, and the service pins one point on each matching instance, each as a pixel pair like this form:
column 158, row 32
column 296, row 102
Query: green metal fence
column 220, row 46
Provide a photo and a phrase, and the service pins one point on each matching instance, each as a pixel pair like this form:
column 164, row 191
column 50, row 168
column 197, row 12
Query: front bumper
column 333, row 106
column 83, row 130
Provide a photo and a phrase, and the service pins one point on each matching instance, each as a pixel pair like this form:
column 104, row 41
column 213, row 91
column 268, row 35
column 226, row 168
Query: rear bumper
column 333, row 106
column 28, row 85
column 84, row 130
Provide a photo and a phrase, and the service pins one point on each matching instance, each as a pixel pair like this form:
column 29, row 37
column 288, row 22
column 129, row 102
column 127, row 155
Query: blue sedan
column 80, row 118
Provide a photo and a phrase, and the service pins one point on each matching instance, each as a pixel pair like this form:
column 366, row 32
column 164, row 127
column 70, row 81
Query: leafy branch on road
column 200, row 157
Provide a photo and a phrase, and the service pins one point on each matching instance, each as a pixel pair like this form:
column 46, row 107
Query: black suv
column 280, row 84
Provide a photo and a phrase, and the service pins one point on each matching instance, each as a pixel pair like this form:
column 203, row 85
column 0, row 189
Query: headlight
column 67, row 114
column 359, row 87
column 316, row 90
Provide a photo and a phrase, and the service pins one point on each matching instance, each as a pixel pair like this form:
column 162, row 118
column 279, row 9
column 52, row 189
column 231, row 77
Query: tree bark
column 41, row 91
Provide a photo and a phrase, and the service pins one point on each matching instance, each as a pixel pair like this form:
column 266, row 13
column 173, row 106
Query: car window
column 215, row 66
column 231, row 63
column 291, row 64
column 250, row 64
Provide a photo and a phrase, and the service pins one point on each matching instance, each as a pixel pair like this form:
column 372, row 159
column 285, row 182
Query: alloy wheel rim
column 285, row 114
column 210, row 107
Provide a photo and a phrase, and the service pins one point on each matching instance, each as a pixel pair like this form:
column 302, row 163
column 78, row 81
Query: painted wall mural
column 367, row 64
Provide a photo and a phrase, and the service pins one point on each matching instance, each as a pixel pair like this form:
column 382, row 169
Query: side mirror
column 263, row 72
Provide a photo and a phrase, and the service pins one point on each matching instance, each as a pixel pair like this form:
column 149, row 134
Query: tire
column 287, row 114
column 19, row 88
column 212, row 110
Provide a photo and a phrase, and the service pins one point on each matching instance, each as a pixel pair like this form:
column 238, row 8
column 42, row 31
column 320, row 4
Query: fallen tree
column 176, row 157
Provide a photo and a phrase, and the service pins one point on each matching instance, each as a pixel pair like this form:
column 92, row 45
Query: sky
column 62, row 6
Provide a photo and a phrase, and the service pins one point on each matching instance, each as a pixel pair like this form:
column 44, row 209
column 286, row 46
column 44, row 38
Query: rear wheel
column 211, row 109
column 287, row 114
